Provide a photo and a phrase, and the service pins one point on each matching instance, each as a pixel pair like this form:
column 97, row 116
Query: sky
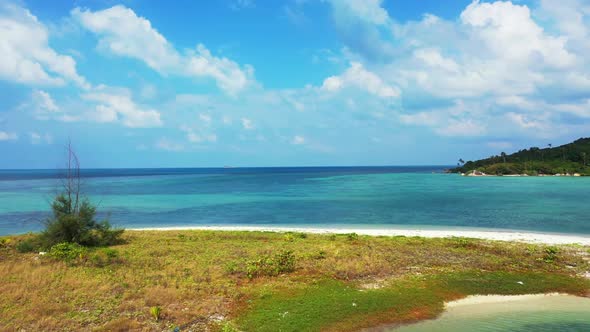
column 289, row 83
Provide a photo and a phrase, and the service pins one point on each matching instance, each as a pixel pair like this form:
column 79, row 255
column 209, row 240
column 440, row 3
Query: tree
column 74, row 217
column 503, row 154
column 584, row 157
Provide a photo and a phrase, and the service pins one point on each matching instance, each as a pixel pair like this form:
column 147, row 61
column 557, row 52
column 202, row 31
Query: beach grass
column 266, row 281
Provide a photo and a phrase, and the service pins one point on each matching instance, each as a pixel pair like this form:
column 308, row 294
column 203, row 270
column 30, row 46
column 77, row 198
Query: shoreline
column 518, row 236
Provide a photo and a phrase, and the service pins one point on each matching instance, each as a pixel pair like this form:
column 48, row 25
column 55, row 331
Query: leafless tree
column 71, row 180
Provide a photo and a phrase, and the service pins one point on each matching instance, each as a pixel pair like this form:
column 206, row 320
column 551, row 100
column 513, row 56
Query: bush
column 352, row 236
column 67, row 252
column 27, row 245
column 550, row 254
column 282, row 262
column 72, row 225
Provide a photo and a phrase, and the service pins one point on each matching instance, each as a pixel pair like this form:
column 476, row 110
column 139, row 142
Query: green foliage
column 67, row 252
column 26, row 246
column 569, row 158
column 77, row 225
column 156, row 312
column 281, row 262
column 352, row 236
column 550, row 254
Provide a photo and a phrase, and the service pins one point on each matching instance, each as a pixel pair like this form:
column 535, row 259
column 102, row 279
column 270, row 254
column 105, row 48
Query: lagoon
column 528, row 313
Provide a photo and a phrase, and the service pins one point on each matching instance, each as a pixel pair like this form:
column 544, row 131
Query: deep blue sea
column 382, row 197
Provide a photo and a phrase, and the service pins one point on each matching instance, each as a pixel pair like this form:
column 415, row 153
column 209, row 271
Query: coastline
column 518, row 236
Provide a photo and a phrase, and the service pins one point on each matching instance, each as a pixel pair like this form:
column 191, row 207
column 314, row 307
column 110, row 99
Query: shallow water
column 547, row 313
column 350, row 196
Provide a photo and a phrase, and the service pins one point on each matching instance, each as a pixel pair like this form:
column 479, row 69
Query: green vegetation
column 259, row 281
column 569, row 158
column 73, row 223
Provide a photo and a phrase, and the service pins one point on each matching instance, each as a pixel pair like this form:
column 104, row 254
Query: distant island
column 571, row 159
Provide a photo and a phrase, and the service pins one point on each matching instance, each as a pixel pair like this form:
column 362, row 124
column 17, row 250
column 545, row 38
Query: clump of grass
column 155, row 312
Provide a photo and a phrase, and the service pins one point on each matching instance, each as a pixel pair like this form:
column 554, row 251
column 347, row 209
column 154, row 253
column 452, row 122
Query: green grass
column 203, row 280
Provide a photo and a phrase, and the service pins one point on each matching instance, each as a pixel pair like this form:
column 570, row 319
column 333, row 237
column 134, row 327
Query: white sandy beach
column 529, row 237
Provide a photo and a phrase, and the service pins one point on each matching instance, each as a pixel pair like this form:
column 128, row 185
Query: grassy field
column 258, row 281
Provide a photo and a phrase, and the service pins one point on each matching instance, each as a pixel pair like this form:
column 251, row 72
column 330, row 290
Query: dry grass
column 199, row 278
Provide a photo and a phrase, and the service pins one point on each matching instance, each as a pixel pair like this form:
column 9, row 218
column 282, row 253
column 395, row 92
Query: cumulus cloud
column 111, row 106
column 357, row 76
column 26, row 55
column 122, row 32
column 43, row 105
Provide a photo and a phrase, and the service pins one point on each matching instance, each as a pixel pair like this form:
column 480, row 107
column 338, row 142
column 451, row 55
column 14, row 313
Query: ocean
column 364, row 197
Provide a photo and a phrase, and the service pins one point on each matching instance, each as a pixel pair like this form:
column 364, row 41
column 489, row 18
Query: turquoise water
column 363, row 197
column 547, row 314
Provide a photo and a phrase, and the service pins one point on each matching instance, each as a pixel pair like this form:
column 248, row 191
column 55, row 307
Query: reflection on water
column 519, row 314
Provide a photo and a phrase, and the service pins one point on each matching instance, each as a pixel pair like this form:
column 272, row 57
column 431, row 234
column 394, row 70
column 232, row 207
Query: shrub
column 352, row 236
column 282, row 262
column 67, row 252
column 550, row 254
column 27, row 245
column 72, row 225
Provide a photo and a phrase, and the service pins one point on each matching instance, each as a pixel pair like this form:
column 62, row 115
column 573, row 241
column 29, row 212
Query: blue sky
column 289, row 83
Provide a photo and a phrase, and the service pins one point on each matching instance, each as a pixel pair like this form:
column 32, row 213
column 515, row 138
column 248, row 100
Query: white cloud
column 525, row 121
column 123, row 33
column 365, row 10
column 37, row 138
column 112, row 106
column 6, row 136
column 298, row 140
column 42, row 104
column 357, row 76
column 194, row 136
column 168, row 145
column 433, row 58
column 509, row 31
column 25, row 52
column 247, row 124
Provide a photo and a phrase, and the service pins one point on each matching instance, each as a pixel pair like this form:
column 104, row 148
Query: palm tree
column 461, row 161
column 503, row 154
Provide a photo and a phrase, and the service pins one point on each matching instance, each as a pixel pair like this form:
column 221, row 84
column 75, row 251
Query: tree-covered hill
column 569, row 158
